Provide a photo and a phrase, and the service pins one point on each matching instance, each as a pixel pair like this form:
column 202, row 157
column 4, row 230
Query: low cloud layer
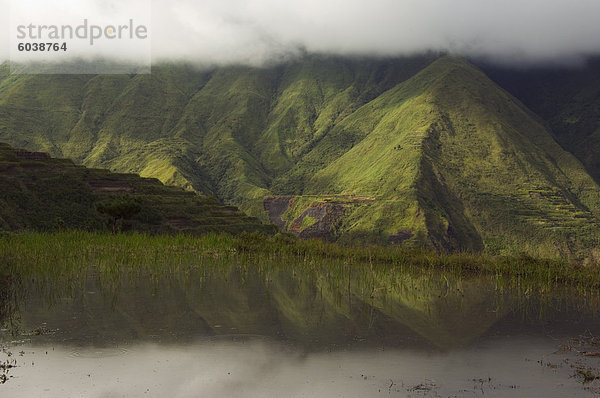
column 255, row 31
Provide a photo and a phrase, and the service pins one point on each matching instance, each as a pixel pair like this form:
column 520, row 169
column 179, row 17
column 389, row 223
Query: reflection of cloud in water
column 258, row 369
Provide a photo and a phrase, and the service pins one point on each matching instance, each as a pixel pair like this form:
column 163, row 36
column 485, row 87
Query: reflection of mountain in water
column 387, row 308
column 447, row 315
column 7, row 299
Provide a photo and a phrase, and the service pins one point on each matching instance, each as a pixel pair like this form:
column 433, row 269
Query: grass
column 307, row 222
column 55, row 253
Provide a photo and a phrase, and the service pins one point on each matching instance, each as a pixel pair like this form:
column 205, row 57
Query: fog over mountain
column 256, row 31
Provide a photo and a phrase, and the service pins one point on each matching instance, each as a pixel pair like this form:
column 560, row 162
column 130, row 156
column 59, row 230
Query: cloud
column 255, row 31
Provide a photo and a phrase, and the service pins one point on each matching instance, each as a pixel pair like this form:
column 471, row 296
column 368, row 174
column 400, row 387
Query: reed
column 69, row 252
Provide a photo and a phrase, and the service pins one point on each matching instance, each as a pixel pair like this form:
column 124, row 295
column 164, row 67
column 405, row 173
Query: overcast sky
column 254, row 31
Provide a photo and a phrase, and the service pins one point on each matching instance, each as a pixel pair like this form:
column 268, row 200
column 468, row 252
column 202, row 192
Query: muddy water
column 241, row 332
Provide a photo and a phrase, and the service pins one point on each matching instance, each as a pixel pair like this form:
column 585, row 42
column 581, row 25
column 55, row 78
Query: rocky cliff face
column 318, row 217
column 275, row 207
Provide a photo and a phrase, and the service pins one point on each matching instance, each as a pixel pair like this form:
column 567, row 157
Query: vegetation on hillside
column 41, row 193
column 420, row 151
column 567, row 98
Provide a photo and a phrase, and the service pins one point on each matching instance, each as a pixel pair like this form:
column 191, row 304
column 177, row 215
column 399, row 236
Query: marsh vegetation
column 101, row 305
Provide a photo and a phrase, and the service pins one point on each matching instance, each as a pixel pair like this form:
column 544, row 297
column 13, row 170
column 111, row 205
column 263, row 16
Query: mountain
column 42, row 193
column 567, row 98
column 421, row 150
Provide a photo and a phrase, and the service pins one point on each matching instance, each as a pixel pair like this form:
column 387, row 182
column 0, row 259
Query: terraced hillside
column 417, row 151
column 42, row 193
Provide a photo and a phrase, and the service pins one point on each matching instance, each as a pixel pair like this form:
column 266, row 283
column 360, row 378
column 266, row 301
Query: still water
column 285, row 332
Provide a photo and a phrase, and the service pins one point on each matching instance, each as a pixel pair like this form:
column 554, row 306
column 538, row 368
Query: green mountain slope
column 415, row 150
column 227, row 131
column 501, row 170
column 450, row 154
column 41, row 193
column 568, row 98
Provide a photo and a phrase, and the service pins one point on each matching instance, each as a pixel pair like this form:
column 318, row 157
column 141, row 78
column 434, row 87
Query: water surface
column 253, row 331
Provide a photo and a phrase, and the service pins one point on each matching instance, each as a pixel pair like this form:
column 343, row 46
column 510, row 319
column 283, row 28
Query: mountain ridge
column 450, row 159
